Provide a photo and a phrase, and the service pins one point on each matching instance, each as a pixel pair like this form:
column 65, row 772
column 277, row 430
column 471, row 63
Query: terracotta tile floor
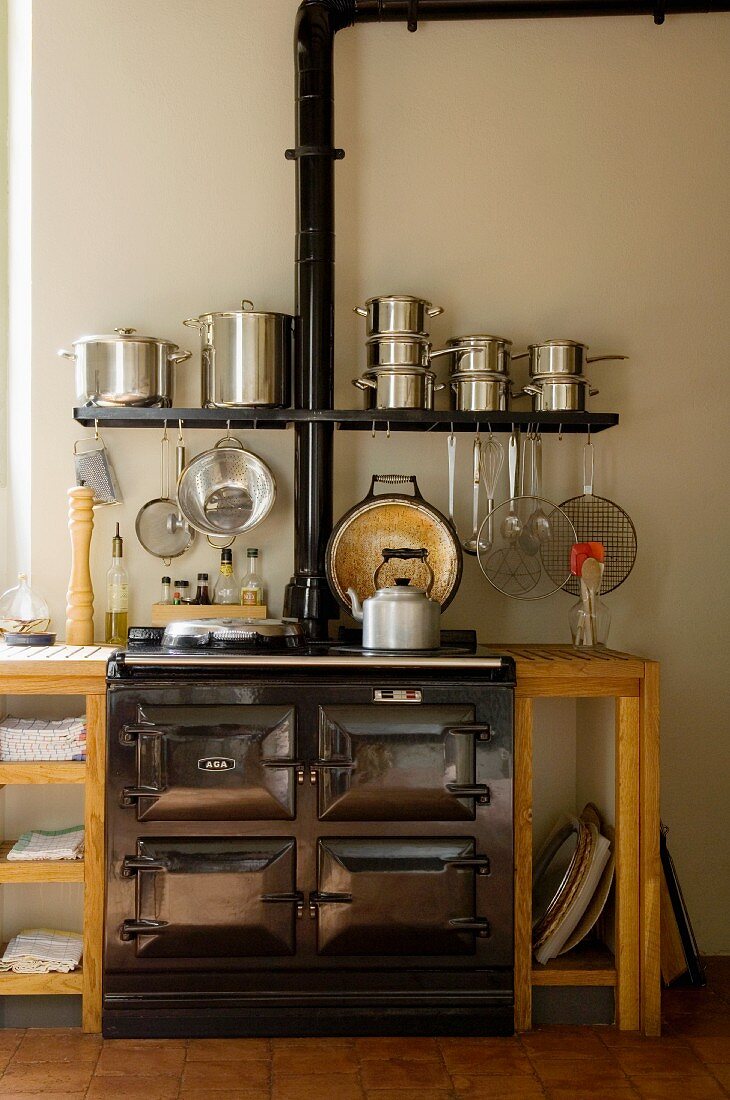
column 690, row 1062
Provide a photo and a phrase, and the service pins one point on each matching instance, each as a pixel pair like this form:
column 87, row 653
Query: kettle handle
column 406, row 554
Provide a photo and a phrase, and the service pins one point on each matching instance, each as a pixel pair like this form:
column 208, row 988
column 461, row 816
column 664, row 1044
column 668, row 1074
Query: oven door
column 212, row 763
column 398, row 896
column 212, row 897
column 399, row 763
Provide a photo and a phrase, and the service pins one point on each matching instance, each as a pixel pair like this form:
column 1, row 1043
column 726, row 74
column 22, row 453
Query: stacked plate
column 572, row 879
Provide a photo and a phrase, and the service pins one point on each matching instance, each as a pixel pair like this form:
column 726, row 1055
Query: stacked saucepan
column 557, row 382
column 399, row 353
column 480, row 379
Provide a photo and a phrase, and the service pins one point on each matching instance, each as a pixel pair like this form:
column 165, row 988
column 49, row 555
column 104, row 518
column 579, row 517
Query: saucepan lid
column 195, row 633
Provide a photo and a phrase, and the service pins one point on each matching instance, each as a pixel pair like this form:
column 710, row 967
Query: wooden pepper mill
column 80, row 595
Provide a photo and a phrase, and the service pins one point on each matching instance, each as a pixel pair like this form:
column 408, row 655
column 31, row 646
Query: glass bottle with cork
column 202, row 595
column 252, row 589
column 117, row 596
column 226, row 589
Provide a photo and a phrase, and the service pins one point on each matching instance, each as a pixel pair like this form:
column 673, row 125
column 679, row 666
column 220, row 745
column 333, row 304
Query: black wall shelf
column 397, row 420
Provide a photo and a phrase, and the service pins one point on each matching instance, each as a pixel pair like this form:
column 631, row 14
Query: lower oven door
column 212, row 897
column 208, row 763
column 398, row 896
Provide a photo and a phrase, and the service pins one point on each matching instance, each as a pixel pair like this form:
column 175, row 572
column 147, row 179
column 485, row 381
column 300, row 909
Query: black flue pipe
column 308, row 596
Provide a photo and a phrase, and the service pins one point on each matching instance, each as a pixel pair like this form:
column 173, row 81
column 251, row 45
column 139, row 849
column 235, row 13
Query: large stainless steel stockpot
column 397, row 313
column 124, row 369
column 561, row 393
column 398, row 388
column 480, row 353
column 560, row 357
column 246, row 358
column 481, row 391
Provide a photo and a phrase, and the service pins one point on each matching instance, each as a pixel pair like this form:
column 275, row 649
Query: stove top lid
column 230, row 633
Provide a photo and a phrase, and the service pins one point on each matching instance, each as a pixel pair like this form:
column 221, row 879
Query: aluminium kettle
column 401, row 616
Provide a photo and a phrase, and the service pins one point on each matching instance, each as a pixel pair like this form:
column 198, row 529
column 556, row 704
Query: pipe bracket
column 412, row 23
column 314, row 151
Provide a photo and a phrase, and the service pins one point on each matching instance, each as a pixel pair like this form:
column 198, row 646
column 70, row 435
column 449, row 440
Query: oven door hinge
column 296, row 897
column 132, row 928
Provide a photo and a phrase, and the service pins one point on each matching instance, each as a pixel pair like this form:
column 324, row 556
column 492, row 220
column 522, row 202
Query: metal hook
column 387, row 429
column 180, row 431
column 560, row 433
column 491, row 433
column 96, row 429
column 372, row 430
column 164, row 432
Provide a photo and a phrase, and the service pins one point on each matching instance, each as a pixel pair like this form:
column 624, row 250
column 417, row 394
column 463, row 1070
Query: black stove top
column 145, row 655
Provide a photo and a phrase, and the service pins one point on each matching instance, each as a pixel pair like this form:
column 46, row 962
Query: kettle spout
column 355, row 605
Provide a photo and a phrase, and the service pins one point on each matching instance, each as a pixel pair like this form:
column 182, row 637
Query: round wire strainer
column 226, row 490
column 511, row 555
column 596, row 519
column 158, row 527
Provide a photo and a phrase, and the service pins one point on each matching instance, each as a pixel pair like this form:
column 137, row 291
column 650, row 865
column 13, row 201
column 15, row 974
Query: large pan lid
column 355, row 548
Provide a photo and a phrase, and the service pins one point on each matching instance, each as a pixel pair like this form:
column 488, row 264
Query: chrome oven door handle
column 482, row 733
column 480, row 791
column 132, row 928
column 132, row 864
column 296, row 897
column 480, row 864
column 480, row 925
column 129, row 794
column 128, row 734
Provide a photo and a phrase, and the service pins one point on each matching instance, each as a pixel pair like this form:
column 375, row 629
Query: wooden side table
column 561, row 671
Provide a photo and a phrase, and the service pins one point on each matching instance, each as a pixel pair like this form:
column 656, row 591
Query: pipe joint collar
column 343, row 12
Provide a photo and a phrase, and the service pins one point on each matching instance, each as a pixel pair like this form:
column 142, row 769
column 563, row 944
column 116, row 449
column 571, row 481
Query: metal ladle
column 512, row 524
column 470, row 544
column 539, row 522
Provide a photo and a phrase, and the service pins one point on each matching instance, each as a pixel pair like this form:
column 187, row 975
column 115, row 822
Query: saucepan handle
column 365, row 383
column 435, row 311
column 360, row 310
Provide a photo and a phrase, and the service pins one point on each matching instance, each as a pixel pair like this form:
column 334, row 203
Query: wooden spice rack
column 164, row 613
column 543, row 671
column 64, row 670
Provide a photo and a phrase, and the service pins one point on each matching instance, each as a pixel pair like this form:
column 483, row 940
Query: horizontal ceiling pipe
column 368, row 11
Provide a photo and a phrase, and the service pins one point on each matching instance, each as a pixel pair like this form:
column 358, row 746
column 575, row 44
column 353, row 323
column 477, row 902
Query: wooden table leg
column 523, row 863
column 627, row 862
column 94, row 861
column 650, row 868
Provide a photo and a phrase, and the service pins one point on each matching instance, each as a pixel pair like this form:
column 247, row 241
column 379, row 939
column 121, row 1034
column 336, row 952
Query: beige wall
column 538, row 179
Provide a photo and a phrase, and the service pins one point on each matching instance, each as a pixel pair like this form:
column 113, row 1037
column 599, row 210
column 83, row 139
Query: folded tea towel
column 42, row 950
column 50, row 844
column 42, row 739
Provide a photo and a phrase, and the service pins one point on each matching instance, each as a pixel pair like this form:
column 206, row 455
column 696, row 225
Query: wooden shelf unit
column 64, row 670
column 38, row 870
column 560, row 671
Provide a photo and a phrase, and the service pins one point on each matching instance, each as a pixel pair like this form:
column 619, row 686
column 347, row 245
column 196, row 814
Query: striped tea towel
column 42, row 950
column 50, row 844
column 42, row 739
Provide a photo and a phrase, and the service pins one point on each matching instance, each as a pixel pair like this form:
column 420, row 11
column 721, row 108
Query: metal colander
column 226, row 490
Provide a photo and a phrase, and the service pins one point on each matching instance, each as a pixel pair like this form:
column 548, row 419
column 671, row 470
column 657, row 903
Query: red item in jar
column 580, row 551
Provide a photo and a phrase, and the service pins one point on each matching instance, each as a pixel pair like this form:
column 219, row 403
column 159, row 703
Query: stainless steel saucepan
column 398, row 388
column 559, row 393
column 560, row 357
column 481, row 391
column 394, row 313
column 480, row 353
